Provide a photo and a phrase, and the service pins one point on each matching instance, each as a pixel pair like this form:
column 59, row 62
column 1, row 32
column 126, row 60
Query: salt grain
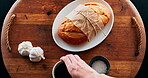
column 99, row 66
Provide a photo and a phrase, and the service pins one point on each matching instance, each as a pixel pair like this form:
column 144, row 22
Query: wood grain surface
column 33, row 23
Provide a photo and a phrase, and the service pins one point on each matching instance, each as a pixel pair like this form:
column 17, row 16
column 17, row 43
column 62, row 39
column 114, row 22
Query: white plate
column 88, row 45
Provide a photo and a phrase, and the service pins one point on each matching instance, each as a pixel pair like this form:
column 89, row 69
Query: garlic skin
column 24, row 48
column 36, row 54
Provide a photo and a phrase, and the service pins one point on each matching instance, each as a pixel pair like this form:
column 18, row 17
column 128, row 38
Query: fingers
column 72, row 58
column 70, row 62
column 78, row 59
column 66, row 61
column 69, row 59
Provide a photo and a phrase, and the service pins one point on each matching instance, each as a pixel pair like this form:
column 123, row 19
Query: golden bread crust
column 73, row 35
column 70, row 33
column 101, row 9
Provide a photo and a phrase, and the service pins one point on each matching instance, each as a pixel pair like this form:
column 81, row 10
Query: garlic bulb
column 36, row 54
column 24, row 48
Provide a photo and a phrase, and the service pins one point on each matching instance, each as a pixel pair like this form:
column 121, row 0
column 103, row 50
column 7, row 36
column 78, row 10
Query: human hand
column 79, row 69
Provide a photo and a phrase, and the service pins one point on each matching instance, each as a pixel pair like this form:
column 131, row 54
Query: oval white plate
column 88, row 45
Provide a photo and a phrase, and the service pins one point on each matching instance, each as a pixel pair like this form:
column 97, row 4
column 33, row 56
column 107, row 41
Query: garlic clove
column 35, row 59
column 24, row 48
column 36, row 54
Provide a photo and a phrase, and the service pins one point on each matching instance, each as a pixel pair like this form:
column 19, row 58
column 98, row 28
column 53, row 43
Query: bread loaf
column 72, row 34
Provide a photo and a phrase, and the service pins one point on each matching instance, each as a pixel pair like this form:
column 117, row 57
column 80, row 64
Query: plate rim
column 109, row 30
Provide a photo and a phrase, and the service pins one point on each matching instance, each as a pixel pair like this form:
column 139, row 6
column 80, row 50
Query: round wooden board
column 33, row 24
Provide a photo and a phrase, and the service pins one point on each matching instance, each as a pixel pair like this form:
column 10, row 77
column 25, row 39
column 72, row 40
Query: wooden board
column 33, row 24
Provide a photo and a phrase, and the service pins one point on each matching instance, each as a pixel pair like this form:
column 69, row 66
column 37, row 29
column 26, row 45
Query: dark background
column 142, row 6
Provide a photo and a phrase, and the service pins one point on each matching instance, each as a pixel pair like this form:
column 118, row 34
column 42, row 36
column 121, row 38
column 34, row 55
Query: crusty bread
column 73, row 35
column 101, row 9
column 70, row 33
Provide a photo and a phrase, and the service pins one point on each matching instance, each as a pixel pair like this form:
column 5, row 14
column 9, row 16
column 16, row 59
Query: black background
column 142, row 6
